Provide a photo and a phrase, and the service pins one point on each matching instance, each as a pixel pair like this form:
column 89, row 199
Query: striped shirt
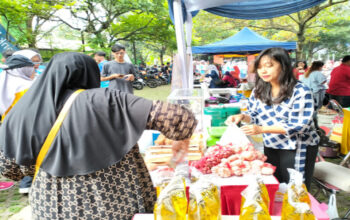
column 295, row 116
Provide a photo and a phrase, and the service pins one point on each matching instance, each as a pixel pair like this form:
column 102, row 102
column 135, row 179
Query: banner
column 5, row 44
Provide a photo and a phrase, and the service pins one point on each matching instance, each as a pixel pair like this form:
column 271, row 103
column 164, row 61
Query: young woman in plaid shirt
column 281, row 108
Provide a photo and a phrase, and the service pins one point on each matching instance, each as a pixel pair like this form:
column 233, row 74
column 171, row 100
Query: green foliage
column 24, row 18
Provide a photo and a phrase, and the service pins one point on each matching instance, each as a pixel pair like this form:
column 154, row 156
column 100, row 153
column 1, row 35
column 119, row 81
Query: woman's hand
column 252, row 129
column 234, row 119
column 180, row 149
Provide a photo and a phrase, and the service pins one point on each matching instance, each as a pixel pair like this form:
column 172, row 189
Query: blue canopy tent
column 244, row 42
column 182, row 11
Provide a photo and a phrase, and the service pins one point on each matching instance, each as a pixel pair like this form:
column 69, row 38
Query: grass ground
column 12, row 202
column 159, row 93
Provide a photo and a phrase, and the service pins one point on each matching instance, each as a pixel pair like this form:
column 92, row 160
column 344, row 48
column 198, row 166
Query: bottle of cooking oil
column 172, row 202
column 204, row 201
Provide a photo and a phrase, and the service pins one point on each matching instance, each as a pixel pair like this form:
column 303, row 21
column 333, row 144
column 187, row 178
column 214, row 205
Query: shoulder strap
column 53, row 132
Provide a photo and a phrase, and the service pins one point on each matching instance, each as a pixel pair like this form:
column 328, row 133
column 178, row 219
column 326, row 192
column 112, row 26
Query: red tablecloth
column 231, row 198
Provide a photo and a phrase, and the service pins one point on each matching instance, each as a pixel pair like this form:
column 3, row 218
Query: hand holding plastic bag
column 234, row 135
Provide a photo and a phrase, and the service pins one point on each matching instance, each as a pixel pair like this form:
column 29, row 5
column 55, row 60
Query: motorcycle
column 150, row 80
column 138, row 83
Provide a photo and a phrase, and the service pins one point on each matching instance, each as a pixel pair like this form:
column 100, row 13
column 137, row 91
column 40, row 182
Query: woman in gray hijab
column 93, row 169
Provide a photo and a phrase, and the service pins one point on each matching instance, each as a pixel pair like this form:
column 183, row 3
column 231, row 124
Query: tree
column 27, row 17
column 153, row 30
column 300, row 24
column 95, row 17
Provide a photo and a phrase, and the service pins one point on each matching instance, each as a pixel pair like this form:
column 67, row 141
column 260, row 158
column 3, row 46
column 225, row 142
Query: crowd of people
column 331, row 81
column 92, row 167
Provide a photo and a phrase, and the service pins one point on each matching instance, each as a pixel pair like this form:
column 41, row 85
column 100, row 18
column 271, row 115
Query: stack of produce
column 236, row 160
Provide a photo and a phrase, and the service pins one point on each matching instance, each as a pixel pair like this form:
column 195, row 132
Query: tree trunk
column 82, row 41
column 300, row 46
column 31, row 37
column 134, row 51
column 7, row 31
column 161, row 56
column 310, row 53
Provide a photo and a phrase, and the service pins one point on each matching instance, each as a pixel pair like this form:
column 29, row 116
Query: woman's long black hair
column 286, row 78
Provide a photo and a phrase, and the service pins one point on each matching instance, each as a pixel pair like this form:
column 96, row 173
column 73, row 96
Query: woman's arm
column 256, row 129
column 175, row 122
column 11, row 170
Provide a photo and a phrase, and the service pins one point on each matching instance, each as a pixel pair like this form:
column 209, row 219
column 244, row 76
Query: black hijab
column 100, row 128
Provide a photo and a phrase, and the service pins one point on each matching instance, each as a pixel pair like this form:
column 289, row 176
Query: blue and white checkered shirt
column 295, row 116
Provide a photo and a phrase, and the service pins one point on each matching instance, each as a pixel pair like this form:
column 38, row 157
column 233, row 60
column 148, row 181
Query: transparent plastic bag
column 204, row 201
column 172, row 202
column 255, row 201
column 234, row 136
column 296, row 201
column 161, row 177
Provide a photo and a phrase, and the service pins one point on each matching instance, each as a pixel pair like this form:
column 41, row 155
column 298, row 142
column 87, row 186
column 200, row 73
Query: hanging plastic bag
column 172, row 202
column 204, row 201
column 254, row 204
column 161, row 177
column 235, row 136
column 332, row 210
column 296, row 201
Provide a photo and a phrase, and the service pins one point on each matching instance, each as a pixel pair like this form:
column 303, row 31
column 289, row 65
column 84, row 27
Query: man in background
column 118, row 72
column 339, row 85
column 100, row 58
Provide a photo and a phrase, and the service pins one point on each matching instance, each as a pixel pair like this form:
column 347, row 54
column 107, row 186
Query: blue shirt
column 294, row 115
column 100, row 65
column 315, row 81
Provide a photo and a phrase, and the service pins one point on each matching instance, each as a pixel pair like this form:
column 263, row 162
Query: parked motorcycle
column 138, row 83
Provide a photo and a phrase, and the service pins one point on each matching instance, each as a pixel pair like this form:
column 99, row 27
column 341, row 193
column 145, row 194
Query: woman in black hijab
column 93, row 169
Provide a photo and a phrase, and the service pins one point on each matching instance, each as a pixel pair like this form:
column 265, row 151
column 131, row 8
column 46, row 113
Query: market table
column 315, row 206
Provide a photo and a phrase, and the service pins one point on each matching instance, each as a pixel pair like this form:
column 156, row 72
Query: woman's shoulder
column 300, row 89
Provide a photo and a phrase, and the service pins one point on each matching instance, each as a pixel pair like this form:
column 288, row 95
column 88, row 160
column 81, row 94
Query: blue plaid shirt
column 295, row 116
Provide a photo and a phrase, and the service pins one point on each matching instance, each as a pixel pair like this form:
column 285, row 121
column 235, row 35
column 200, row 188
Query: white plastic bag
column 234, row 135
column 332, row 210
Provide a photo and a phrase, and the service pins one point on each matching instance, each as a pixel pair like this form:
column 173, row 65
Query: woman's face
column 269, row 69
column 36, row 60
column 301, row 65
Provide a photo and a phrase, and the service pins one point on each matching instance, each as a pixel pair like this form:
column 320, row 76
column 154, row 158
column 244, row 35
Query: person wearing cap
column 6, row 54
column 14, row 82
column 33, row 55
column 16, row 79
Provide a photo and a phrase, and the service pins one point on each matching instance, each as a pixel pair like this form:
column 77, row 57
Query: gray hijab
column 100, row 128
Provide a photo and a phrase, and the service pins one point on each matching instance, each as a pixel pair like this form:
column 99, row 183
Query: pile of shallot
column 235, row 160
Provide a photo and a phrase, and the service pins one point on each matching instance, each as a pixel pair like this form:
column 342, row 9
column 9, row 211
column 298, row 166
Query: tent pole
column 180, row 39
column 189, row 57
